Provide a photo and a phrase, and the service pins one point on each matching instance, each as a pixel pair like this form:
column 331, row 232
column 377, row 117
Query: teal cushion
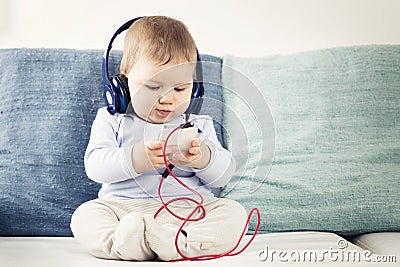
column 337, row 155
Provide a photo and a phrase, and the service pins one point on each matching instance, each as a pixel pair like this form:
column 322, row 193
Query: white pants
column 126, row 229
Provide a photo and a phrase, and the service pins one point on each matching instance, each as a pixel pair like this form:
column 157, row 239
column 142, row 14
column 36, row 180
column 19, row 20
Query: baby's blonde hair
column 161, row 39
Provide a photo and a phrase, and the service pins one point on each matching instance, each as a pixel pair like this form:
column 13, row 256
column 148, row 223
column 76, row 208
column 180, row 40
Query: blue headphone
column 116, row 90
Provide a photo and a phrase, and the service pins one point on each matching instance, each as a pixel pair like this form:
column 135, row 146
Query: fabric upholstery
column 337, row 149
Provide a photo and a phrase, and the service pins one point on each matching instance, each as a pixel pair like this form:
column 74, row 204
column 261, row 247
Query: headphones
column 116, row 90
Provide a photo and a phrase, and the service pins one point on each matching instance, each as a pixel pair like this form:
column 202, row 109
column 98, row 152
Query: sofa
column 315, row 136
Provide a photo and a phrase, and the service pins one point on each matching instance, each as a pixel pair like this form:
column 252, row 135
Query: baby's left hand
column 197, row 156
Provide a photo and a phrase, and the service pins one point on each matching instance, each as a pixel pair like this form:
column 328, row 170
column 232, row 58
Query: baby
column 125, row 155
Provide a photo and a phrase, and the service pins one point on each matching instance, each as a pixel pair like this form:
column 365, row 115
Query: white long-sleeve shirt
column 108, row 158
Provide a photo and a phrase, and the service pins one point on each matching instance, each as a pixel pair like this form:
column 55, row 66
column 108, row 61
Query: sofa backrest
column 49, row 100
column 337, row 148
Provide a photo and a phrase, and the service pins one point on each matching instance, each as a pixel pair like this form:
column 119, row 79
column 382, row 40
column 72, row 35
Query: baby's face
column 160, row 93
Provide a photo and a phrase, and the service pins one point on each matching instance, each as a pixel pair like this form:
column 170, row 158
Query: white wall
column 243, row 28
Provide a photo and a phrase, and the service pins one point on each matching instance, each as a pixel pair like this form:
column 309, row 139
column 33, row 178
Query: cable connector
column 187, row 125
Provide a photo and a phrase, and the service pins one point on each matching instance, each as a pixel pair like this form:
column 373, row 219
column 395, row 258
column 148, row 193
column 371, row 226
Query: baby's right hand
column 147, row 155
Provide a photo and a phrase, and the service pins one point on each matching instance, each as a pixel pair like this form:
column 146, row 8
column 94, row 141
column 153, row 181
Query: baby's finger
column 154, row 144
column 157, row 165
column 196, row 142
column 194, row 150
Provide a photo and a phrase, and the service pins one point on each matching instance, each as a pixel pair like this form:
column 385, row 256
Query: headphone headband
column 116, row 91
column 106, row 54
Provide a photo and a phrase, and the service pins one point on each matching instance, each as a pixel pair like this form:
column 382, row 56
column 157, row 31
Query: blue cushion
column 212, row 100
column 49, row 100
column 337, row 156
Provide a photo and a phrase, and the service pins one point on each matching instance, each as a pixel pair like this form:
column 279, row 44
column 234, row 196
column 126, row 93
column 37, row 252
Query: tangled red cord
column 199, row 206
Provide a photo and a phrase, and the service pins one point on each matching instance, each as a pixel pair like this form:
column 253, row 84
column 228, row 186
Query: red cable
column 203, row 214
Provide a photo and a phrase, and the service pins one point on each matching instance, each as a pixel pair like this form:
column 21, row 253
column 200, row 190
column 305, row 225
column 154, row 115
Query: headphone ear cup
column 196, row 100
column 195, row 105
column 123, row 98
column 124, row 82
column 110, row 98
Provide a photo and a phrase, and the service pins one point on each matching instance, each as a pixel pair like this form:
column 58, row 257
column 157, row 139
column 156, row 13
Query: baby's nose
column 167, row 97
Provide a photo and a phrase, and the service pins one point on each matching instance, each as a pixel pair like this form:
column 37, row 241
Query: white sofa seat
column 383, row 243
column 275, row 249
